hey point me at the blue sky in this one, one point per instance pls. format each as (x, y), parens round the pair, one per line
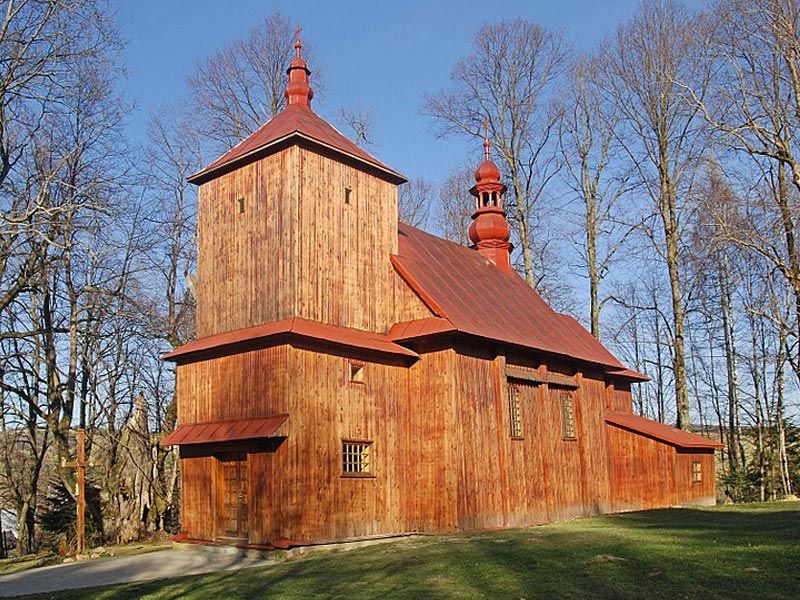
(378, 55)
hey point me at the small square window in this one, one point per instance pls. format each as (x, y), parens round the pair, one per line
(567, 416)
(356, 458)
(356, 373)
(514, 411)
(697, 472)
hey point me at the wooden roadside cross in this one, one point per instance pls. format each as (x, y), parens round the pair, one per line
(80, 464)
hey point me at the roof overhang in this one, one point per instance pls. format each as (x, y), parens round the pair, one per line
(225, 431)
(661, 432)
(629, 374)
(303, 140)
(248, 338)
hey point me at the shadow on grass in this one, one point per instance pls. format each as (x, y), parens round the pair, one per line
(680, 553)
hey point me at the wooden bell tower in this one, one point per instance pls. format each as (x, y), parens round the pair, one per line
(296, 221)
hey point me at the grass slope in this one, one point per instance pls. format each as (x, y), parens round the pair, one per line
(728, 552)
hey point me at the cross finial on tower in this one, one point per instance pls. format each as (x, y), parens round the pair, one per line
(297, 43)
(486, 142)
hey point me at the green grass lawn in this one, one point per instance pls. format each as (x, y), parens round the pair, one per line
(750, 551)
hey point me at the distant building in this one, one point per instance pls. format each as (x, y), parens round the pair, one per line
(354, 376)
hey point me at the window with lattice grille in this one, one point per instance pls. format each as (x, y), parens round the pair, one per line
(356, 458)
(514, 411)
(567, 416)
(697, 472)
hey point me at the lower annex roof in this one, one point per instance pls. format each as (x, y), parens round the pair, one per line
(225, 431)
(293, 327)
(660, 431)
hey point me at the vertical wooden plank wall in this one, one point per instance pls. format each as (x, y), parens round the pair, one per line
(297, 249)
(695, 493)
(443, 455)
(641, 470)
(297, 491)
(541, 477)
(198, 497)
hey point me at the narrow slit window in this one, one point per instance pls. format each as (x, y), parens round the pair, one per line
(356, 458)
(240, 205)
(347, 193)
(697, 472)
(514, 411)
(567, 416)
(356, 373)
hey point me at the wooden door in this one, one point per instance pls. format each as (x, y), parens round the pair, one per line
(234, 494)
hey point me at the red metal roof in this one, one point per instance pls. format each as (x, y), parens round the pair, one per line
(630, 374)
(302, 328)
(462, 286)
(224, 431)
(295, 121)
(418, 328)
(660, 431)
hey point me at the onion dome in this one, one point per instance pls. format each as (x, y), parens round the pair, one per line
(490, 231)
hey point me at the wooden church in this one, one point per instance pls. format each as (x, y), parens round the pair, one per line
(354, 376)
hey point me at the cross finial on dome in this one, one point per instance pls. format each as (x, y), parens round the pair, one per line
(298, 44)
(486, 143)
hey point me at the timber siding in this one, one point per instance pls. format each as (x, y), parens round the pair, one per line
(297, 249)
(443, 457)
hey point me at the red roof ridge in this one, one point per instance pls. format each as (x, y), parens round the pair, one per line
(295, 326)
(660, 431)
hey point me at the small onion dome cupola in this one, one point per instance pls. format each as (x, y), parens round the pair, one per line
(298, 90)
(490, 230)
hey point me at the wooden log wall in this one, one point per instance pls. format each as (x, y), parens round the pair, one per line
(536, 477)
(297, 491)
(442, 452)
(296, 245)
(646, 473)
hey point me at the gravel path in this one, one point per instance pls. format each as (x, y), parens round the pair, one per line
(125, 569)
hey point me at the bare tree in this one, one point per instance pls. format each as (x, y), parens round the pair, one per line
(42, 44)
(241, 86)
(756, 106)
(662, 134)
(59, 130)
(451, 217)
(359, 123)
(508, 80)
(173, 154)
(414, 202)
(587, 141)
